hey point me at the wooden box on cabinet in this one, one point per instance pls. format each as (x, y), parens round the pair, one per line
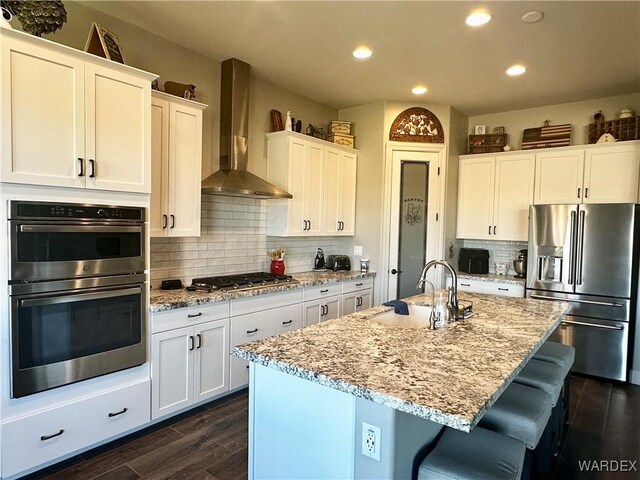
(176, 164)
(491, 143)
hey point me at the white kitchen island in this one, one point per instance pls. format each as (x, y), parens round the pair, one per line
(311, 390)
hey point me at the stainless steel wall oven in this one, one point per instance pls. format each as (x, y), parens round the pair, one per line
(78, 293)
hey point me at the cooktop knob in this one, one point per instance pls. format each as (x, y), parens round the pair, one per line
(101, 212)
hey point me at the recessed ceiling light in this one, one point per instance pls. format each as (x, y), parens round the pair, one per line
(362, 53)
(532, 17)
(419, 90)
(477, 19)
(516, 70)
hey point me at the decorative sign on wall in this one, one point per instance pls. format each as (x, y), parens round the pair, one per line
(417, 124)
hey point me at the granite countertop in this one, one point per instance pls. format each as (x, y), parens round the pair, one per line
(492, 277)
(162, 300)
(450, 376)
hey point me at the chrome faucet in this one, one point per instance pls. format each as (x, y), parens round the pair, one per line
(433, 316)
(452, 301)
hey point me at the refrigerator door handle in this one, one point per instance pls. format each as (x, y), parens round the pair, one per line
(594, 325)
(587, 302)
(580, 249)
(572, 257)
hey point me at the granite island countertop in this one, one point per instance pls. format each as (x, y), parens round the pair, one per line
(450, 376)
(162, 300)
(492, 277)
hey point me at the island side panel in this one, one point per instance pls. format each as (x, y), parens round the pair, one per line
(298, 429)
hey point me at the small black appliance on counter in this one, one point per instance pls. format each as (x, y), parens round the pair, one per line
(338, 262)
(473, 260)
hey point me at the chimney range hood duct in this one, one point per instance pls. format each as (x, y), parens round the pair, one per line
(233, 179)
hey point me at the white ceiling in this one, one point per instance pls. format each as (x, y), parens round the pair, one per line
(579, 50)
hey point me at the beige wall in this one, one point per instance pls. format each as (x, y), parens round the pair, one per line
(578, 114)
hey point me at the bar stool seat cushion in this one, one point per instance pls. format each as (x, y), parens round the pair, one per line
(558, 353)
(521, 412)
(546, 376)
(480, 454)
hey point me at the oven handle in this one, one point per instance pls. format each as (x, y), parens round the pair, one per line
(80, 228)
(37, 302)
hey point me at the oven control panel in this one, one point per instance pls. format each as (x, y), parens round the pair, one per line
(45, 210)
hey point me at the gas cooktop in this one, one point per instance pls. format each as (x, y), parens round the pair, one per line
(242, 281)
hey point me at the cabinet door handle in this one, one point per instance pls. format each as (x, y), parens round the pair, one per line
(489, 232)
(92, 162)
(193, 315)
(324, 291)
(503, 289)
(115, 414)
(199, 340)
(358, 301)
(164, 221)
(173, 220)
(586, 192)
(494, 229)
(309, 224)
(191, 342)
(249, 332)
(287, 323)
(578, 192)
(81, 160)
(44, 438)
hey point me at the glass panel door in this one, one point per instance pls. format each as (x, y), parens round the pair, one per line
(412, 225)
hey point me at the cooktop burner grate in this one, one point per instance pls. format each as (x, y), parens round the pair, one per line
(242, 281)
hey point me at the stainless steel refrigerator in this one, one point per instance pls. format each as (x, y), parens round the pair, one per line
(588, 254)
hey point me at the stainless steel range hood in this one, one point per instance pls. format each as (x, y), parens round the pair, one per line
(233, 179)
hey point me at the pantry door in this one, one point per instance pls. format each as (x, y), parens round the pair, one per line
(415, 216)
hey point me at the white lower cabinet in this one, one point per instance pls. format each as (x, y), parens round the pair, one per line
(190, 363)
(322, 310)
(491, 288)
(262, 321)
(40, 438)
(357, 295)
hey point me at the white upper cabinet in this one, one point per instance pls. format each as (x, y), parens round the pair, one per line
(592, 174)
(176, 158)
(611, 174)
(322, 180)
(559, 176)
(494, 194)
(71, 119)
(339, 192)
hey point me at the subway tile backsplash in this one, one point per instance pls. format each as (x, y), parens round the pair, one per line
(499, 252)
(233, 240)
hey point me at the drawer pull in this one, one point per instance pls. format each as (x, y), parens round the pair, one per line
(199, 314)
(503, 289)
(252, 331)
(358, 284)
(112, 414)
(465, 284)
(44, 438)
(324, 291)
(287, 323)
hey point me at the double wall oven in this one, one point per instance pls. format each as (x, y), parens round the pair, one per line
(77, 292)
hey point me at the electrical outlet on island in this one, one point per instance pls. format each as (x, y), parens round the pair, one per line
(371, 438)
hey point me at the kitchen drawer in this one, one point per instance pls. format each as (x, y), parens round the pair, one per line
(259, 325)
(185, 317)
(355, 285)
(491, 288)
(322, 291)
(242, 306)
(239, 376)
(82, 423)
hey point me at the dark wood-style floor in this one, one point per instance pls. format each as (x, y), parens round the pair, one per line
(211, 442)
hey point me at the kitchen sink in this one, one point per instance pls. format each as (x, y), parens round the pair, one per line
(418, 317)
